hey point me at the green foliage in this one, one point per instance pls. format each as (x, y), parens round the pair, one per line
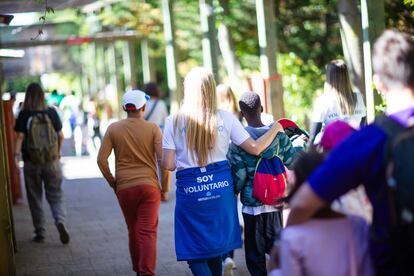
(245, 38)
(400, 15)
(20, 84)
(188, 34)
(307, 36)
(409, 2)
(302, 82)
(310, 29)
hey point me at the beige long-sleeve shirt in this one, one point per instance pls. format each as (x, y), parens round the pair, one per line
(134, 142)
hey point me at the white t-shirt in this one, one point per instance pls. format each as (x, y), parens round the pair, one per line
(159, 114)
(228, 128)
(327, 110)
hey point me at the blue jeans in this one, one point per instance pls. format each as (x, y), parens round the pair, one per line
(206, 267)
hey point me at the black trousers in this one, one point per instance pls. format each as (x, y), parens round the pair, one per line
(260, 233)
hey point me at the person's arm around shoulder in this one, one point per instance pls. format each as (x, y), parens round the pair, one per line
(238, 167)
(102, 159)
(255, 147)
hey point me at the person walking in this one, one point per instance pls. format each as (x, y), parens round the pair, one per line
(367, 156)
(195, 142)
(330, 243)
(39, 140)
(157, 113)
(226, 100)
(262, 222)
(338, 101)
(137, 146)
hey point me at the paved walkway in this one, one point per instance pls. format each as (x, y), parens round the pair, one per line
(99, 244)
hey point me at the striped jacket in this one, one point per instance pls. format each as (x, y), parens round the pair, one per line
(243, 165)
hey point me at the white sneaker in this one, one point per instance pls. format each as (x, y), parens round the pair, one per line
(228, 267)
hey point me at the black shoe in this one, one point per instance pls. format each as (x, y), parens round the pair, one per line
(38, 238)
(63, 234)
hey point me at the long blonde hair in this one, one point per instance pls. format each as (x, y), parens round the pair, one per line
(230, 102)
(199, 113)
(337, 81)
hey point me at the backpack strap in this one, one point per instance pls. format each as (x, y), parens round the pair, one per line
(152, 110)
(395, 132)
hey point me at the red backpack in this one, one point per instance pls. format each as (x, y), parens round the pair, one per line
(270, 180)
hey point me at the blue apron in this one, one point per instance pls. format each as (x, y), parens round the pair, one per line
(206, 220)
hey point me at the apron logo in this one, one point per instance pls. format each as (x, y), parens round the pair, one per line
(206, 187)
(205, 178)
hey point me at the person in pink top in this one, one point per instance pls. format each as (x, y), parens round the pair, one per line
(328, 244)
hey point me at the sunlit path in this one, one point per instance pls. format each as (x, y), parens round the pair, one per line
(99, 244)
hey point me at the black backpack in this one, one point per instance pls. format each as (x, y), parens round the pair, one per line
(399, 171)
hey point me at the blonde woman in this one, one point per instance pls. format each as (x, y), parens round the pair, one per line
(338, 102)
(195, 142)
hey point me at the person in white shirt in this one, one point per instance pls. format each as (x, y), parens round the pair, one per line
(338, 102)
(156, 112)
(196, 141)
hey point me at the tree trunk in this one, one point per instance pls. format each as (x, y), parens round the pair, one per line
(373, 24)
(268, 48)
(209, 40)
(173, 78)
(351, 36)
(226, 46)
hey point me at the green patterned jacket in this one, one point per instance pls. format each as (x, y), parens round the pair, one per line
(243, 165)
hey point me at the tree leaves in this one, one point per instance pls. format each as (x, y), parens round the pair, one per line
(48, 10)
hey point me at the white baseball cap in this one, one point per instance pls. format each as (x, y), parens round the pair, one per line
(136, 98)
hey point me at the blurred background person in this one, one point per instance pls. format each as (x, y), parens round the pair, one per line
(156, 112)
(338, 101)
(227, 101)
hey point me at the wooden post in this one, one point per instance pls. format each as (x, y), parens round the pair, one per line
(373, 24)
(113, 69)
(85, 83)
(209, 41)
(147, 70)
(91, 69)
(174, 84)
(128, 57)
(351, 36)
(268, 49)
(7, 261)
(369, 93)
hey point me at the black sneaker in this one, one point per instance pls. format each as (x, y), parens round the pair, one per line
(39, 238)
(63, 234)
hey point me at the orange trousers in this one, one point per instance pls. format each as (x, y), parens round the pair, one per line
(140, 205)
